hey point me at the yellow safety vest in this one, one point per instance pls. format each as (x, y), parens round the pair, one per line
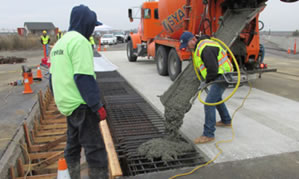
(91, 40)
(224, 62)
(59, 35)
(45, 39)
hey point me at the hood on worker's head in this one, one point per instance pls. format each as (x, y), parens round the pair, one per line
(83, 20)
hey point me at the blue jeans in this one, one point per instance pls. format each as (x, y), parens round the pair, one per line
(47, 49)
(215, 95)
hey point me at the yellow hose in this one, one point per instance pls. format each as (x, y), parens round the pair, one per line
(237, 85)
(219, 142)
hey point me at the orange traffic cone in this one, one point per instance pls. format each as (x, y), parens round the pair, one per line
(27, 88)
(289, 50)
(63, 172)
(30, 77)
(39, 74)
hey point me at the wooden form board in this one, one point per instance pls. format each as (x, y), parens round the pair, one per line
(114, 166)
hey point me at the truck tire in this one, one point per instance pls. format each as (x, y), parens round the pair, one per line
(162, 61)
(174, 64)
(130, 52)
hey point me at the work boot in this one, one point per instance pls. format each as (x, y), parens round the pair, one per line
(74, 170)
(203, 139)
(98, 173)
(221, 124)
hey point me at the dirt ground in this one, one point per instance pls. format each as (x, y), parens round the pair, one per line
(12, 72)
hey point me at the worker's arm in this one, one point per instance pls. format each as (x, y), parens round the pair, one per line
(89, 91)
(82, 61)
(209, 57)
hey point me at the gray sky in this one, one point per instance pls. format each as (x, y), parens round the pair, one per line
(13, 13)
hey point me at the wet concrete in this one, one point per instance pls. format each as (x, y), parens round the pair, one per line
(163, 148)
(176, 100)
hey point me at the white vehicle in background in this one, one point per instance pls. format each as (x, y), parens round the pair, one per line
(108, 39)
(120, 36)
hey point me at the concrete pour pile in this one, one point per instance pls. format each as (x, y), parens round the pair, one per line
(164, 148)
(176, 101)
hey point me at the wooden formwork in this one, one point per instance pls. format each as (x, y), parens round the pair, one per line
(45, 143)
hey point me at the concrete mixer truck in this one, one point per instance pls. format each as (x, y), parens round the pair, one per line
(162, 23)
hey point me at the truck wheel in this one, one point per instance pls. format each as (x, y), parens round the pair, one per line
(130, 53)
(161, 61)
(174, 64)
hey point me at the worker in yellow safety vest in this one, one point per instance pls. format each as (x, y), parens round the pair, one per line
(211, 62)
(91, 40)
(59, 35)
(45, 40)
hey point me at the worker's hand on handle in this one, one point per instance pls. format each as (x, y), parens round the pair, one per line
(102, 113)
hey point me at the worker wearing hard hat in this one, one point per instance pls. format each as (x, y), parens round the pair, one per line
(45, 40)
(211, 61)
(77, 95)
(59, 35)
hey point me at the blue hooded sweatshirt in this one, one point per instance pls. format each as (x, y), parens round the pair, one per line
(83, 20)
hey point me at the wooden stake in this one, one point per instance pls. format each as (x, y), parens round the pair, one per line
(12, 173)
(20, 167)
(27, 137)
(41, 105)
(113, 162)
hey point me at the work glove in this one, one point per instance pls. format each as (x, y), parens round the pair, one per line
(102, 113)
